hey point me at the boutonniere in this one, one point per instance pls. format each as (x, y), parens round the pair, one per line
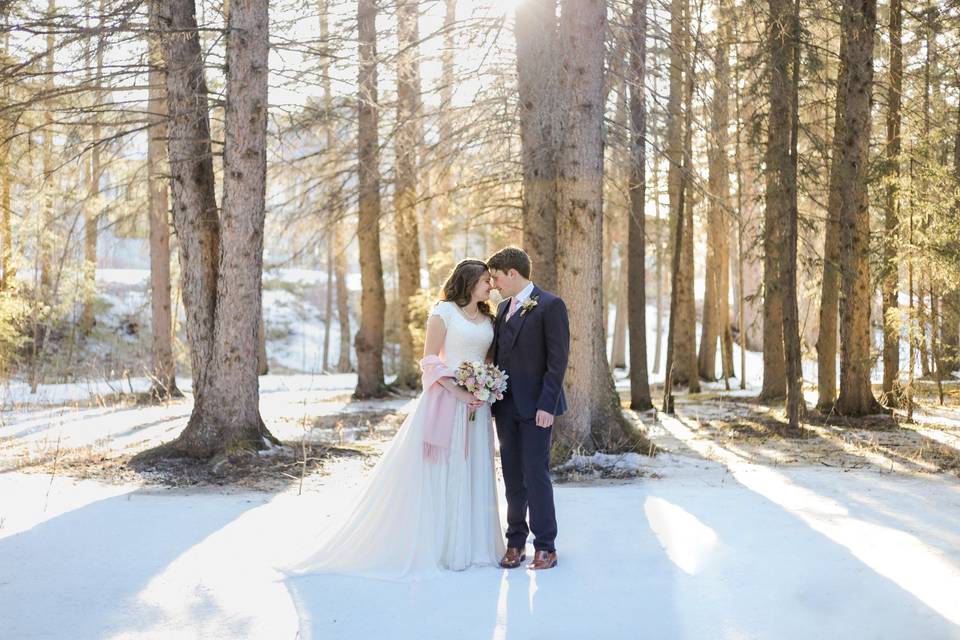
(528, 305)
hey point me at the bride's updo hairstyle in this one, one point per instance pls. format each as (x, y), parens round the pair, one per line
(462, 280)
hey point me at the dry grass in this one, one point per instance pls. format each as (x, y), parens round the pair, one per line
(758, 431)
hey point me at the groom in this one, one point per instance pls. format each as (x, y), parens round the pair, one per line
(531, 343)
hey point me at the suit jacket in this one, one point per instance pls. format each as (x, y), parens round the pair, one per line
(533, 352)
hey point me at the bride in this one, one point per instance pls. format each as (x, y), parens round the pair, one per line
(431, 502)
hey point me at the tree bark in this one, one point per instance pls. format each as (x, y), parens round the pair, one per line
(328, 307)
(369, 338)
(233, 411)
(537, 81)
(890, 271)
(796, 406)
(660, 257)
(677, 233)
(856, 397)
(929, 62)
(343, 301)
(790, 41)
(618, 354)
(951, 302)
(406, 143)
(47, 233)
(439, 259)
(678, 149)
(778, 200)
(7, 263)
(594, 420)
(741, 215)
(716, 305)
(338, 249)
(194, 208)
(830, 284)
(92, 212)
(163, 375)
(221, 262)
(229, 416)
(774, 217)
(636, 233)
(263, 361)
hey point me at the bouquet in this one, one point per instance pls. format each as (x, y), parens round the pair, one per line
(486, 382)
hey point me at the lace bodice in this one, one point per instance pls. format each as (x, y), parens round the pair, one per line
(466, 341)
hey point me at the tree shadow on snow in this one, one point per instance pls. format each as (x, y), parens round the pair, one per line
(87, 573)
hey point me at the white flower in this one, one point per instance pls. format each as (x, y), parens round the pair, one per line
(483, 395)
(528, 305)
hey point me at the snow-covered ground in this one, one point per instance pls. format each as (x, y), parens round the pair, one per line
(712, 541)
(289, 403)
(707, 544)
(708, 550)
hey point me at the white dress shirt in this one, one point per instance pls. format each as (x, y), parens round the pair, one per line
(521, 297)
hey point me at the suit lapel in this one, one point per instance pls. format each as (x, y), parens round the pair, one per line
(502, 311)
(523, 316)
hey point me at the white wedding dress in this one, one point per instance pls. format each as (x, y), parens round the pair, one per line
(416, 518)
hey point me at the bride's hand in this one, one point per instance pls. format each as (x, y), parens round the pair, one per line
(466, 397)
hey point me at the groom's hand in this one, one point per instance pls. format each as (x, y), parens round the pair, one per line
(544, 419)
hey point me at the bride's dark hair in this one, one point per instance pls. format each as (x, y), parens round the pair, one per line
(462, 280)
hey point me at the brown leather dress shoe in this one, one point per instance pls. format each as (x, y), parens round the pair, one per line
(543, 560)
(512, 558)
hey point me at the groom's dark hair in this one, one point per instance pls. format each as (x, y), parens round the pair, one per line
(511, 258)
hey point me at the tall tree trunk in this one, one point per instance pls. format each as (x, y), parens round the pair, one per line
(741, 212)
(856, 397)
(912, 347)
(776, 206)
(194, 208)
(618, 354)
(934, 339)
(676, 232)
(328, 307)
(7, 266)
(369, 339)
(679, 142)
(929, 62)
(679, 355)
(192, 184)
(406, 144)
(791, 313)
(890, 271)
(338, 247)
(660, 255)
(343, 301)
(263, 361)
(830, 284)
(537, 80)
(922, 322)
(781, 197)
(636, 230)
(92, 210)
(439, 259)
(951, 302)
(723, 142)
(47, 232)
(716, 306)
(233, 397)
(778, 199)
(163, 375)
(594, 419)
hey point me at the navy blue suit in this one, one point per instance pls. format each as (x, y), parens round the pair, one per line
(532, 348)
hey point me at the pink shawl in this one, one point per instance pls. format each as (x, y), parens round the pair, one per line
(439, 407)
